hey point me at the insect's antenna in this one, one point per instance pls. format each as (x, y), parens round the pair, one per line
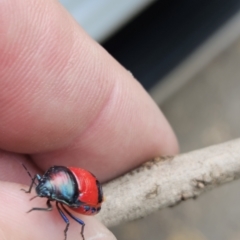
(29, 174)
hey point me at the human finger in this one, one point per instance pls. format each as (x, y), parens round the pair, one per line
(65, 100)
(15, 222)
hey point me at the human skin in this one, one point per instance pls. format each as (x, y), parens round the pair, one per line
(65, 101)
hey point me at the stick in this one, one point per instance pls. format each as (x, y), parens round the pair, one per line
(167, 181)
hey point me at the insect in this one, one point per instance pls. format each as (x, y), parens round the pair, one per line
(76, 188)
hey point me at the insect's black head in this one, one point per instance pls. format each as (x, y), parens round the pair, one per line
(44, 188)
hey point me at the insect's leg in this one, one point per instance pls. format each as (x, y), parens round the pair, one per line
(77, 220)
(49, 207)
(33, 182)
(65, 220)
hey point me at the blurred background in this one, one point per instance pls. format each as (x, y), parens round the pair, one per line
(187, 56)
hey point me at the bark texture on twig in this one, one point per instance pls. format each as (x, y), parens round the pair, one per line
(167, 181)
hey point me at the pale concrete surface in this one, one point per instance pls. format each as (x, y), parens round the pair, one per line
(205, 111)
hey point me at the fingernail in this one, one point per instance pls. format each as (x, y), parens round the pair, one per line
(95, 230)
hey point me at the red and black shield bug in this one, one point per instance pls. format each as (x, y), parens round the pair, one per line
(68, 186)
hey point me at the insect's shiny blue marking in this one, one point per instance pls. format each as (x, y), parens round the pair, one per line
(58, 185)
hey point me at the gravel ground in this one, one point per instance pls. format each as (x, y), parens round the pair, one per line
(205, 111)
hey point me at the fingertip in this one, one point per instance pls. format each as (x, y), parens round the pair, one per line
(66, 101)
(15, 223)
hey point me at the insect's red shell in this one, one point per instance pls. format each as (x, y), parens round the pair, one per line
(90, 192)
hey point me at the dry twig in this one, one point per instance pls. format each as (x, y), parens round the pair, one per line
(167, 181)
